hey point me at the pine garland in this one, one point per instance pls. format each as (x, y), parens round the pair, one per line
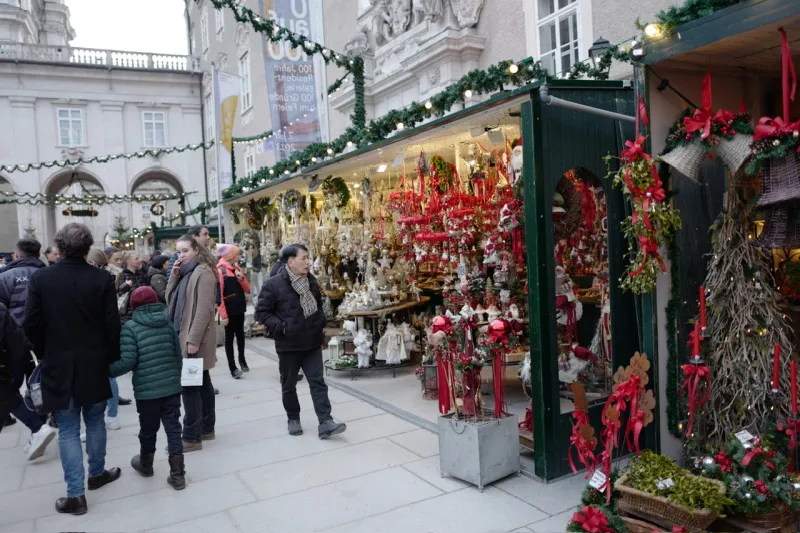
(152, 152)
(26, 198)
(774, 147)
(335, 191)
(690, 11)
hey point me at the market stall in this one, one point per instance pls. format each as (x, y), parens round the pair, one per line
(438, 248)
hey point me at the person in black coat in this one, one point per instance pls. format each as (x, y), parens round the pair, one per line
(71, 319)
(12, 355)
(290, 307)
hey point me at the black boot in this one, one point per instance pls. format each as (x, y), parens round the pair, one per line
(177, 472)
(108, 476)
(143, 464)
(243, 364)
(76, 506)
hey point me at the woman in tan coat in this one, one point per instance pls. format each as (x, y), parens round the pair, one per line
(192, 295)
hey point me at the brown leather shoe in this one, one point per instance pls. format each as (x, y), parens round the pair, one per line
(104, 479)
(76, 506)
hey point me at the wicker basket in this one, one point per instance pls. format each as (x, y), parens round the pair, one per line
(781, 230)
(663, 508)
(686, 159)
(781, 181)
(768, 521)
(639, 526)
(735, 152)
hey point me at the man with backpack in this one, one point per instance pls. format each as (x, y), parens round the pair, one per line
(13, 295)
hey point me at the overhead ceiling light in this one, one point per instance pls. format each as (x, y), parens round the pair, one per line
(382, 167)
(356, 185)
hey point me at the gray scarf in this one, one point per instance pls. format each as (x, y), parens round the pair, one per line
(302, 287)
(178, 301)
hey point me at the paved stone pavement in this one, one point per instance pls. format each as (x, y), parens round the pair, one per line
(381, 475)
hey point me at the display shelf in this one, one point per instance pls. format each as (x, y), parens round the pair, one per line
(355, 371)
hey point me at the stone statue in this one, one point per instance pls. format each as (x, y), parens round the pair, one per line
(359, 44)
(467, 12)
(429, 10)
(401, 16)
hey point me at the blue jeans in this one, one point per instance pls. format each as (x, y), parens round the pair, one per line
(69, 445)
(113, 403)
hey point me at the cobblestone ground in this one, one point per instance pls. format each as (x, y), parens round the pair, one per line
(380, 476)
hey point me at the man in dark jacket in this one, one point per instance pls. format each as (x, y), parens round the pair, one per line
(71, 318)
(290, 307)
(12, 354)
(13, 294)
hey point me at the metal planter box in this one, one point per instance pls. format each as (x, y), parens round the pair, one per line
(478, 452)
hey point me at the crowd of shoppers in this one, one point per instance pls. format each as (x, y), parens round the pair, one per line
(93, 315)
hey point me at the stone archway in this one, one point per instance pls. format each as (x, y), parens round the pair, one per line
(9, 220)
(76, 183)
(154, 181)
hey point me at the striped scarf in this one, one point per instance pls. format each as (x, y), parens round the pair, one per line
(301, 286)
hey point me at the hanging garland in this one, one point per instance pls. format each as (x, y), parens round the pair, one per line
(92, 199)
(152, 152)
(201, 208)
(277, 33)
(690, 11)
(654, 221)
(335, 191)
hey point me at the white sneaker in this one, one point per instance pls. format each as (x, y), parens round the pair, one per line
(39, 442)
(112, 422)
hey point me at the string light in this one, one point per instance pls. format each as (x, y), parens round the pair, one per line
(428, 105)
(400, 126)
(513, 68)
(468, 94)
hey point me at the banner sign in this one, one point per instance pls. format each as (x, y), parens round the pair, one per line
(294, 79)
(226, 105)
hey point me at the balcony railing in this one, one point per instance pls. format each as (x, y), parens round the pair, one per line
(100, 58)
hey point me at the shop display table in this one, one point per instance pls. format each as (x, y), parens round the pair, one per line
(375, 367)
(376, 314)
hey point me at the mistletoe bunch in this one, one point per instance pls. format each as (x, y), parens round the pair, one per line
(654, 221)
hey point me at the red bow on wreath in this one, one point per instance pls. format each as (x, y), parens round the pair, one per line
(755, 452)
(592, 520)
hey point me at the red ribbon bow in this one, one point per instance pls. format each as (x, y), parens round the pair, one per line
(634, 150)
(649, 246)
(583, 447)
(774, 127)
(701, 118)
(694, 374)
(592, 520)
(755, 452)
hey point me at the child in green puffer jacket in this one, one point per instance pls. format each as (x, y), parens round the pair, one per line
(151, 349)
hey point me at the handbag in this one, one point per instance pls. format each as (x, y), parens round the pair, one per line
(33, 399)
(122, 302)
(192, 372)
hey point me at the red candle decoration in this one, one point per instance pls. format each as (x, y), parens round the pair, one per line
(702, 307)
(794, 388)
(776, 367)
(696, 339)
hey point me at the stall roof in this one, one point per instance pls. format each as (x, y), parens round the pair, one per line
(436, 136)
(742, 37)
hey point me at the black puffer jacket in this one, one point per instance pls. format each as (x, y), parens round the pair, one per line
(14, 285)
(280, 311)
(137, 279)
(12, 353)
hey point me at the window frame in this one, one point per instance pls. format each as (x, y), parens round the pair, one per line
(249, 161)
(205, 41)
(163, 121)
(246, 87)
(555, 18)
(70, 119)
(219, 20)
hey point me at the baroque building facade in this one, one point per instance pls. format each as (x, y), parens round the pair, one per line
(65, 102)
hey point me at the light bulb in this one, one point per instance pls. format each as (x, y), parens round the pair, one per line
(330, 151)
(468, 94)
(513, 68)
(428, 104)
(400, 126)
(652, 30)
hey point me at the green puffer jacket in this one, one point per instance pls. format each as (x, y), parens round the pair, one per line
(150, 348)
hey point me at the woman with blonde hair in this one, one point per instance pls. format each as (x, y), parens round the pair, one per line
(192, 296)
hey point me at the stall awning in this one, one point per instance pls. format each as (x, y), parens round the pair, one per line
(741, 37)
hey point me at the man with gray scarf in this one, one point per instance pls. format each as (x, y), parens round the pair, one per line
(290, 307)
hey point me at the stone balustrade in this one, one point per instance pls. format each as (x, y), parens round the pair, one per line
(94, 57)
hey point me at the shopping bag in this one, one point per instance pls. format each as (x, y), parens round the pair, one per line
(192, 372)
(33, 399)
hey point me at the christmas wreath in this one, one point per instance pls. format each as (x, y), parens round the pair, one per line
(291, 200)
(157, 209)
(596, 520)
(335, 191)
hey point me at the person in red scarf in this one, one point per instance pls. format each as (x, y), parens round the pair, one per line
(234, 287)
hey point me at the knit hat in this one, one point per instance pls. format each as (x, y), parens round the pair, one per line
(229, 252)
(111, 250)
(143, 296)
(158, 261)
